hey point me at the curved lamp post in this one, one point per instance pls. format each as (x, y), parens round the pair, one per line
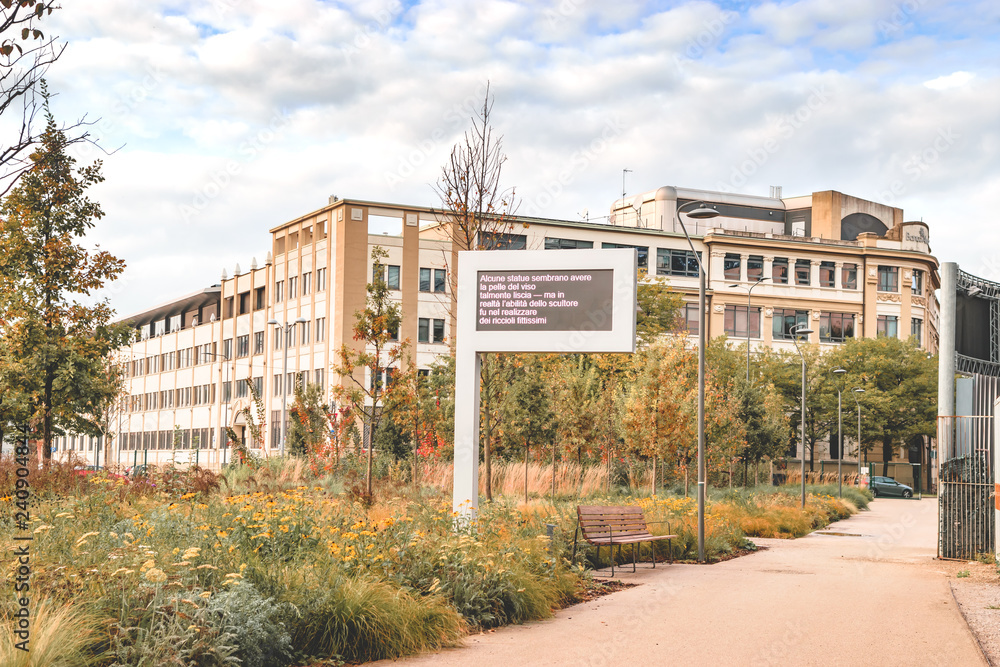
(749, 291)
(855, 392)
(840, 437)
(284, 330)
(796, 331)
(699, 211)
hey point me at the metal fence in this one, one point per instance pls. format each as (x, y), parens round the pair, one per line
(965, 487)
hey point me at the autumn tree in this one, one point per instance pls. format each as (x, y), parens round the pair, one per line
(658, 309)
(363, 372)
(478, 211)
(57, 344)
(308, 430)
(528, 411)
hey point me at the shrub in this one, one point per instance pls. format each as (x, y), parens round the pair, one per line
(254, 622)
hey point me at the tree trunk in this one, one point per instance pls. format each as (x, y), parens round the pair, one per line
(685, 481)
(416, 445)
(488, 440)
(47, 420)
(886, 456)
(652, 483)
(371, 448)
(553, 471)
(526, 472)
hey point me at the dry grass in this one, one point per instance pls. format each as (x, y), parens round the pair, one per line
(61, 636)
(508, 479)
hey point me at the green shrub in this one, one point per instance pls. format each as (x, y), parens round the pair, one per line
(254, 622)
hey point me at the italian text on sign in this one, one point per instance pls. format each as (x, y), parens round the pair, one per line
(560, 300)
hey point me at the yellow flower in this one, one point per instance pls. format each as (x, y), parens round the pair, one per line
(147, 565)
(222, 534)
(206, 594)
(156, 575)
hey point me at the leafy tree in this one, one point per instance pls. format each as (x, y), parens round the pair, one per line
(374, 328)
(900, 383)
(658, 308)
(528, 412)
(765, 426)
(308, 430)
(57, 345)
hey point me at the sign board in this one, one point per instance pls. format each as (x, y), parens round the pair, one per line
(567, 301)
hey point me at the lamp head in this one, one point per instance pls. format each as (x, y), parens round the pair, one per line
(839, 371)
(802, 329)
(273, 322)
(301, 320)
(702, 212)
(858, 390)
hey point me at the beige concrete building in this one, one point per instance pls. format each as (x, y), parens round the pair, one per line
(846, 266)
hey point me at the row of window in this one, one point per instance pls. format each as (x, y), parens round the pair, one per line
(172, 398)
(77, 443)
(179, 438)
(298, 378)
(739, 321)
(293, 285)
(671, 262)
(431, 280)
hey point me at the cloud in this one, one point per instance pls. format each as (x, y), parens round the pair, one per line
(953, 80)
(249, 113)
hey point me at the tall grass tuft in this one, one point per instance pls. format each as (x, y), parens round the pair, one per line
(62, 635)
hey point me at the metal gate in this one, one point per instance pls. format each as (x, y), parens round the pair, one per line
(965, 487)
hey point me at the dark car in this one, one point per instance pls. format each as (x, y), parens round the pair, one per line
(887, 486)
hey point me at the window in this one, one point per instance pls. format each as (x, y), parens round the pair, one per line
(242, 391)
(849, 276)
(227, 391)
(276, 384)
(305, 332)
(755, 267)
(836, 327)
(779, 271)
(425, 280)
(258, 385)
(438, 331)
(290, 336)
(440, 276)
(243, 345)
(736, 322)
(293, 286)
(423, 330)
(917, 328)
(802, 268)
(785, 319)
(670, 262)
(566, 244)
(497, 241)
(917, 288)
(259, 299)
(888, 279)
(320, 280)
(320, 329)
(244, 303)
(319, 378)
(258, 342)
(888, 325)
(643, 252)
(279, 291)
(691, 319)
(827, 274)
(227, 308)
(306, 282)
(394, 334)
(731, 266)
(277, 339)
(392, 276)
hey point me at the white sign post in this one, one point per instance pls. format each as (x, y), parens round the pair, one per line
(567, 301)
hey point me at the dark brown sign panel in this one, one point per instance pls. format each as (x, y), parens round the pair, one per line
(545, 300)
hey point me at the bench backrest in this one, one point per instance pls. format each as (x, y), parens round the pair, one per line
(602, 522)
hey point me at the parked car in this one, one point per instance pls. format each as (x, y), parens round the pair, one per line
(887, 486)
(83, 471)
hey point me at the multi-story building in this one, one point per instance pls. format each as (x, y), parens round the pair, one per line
(845, 266)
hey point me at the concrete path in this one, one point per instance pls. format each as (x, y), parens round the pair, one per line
(870, 595)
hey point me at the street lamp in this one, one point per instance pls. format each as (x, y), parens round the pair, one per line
(699, 212)
(796, 331)
(749, 290)
(284, 330)
(855, 392)
(840, 437)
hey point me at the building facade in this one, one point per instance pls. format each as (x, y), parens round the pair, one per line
(845, 266)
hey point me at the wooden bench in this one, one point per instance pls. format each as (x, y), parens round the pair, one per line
(610, 526)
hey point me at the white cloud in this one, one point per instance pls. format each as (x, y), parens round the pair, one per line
(365, 99)
(953, 80)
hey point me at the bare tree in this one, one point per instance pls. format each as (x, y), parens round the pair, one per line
(479, 213)
(25, 56)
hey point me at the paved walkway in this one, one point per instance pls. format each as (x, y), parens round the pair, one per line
(870, 595)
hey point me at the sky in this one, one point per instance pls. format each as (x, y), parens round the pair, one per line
(220, 119)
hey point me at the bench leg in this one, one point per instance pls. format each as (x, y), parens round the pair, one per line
(576, 533)
(635, 547)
